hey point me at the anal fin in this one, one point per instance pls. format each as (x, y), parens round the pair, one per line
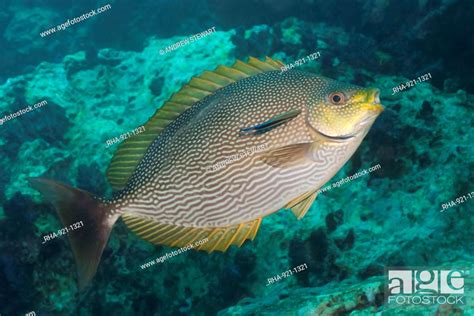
(219, 238)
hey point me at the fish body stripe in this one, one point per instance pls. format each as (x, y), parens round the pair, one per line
(176, 184)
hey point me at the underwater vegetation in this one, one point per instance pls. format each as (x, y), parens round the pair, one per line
(105, 77)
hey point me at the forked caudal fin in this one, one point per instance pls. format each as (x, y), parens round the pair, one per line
(74, 205)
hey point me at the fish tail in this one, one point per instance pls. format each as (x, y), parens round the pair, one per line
(74, 206)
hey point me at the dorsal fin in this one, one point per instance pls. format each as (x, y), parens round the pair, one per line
(131, 151)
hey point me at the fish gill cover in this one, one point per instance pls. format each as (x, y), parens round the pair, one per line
(237, 158)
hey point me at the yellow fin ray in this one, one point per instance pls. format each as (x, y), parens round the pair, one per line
(218, 238)
(301, 204)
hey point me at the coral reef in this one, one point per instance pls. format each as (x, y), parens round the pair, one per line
(364, 298)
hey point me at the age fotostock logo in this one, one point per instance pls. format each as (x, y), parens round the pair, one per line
(425, 286)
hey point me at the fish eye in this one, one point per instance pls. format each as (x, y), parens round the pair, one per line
(337, 98)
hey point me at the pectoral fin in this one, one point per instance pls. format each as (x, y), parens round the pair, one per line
(271, 123)
(287, 156)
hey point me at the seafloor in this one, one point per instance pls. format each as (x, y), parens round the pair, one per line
(389, 218)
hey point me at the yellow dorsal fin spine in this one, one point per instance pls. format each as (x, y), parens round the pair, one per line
(246, 68)
(215, 77)
(182, 99)
(195, 92)
(231, 73)
(204, 84)
(131, 151)
(263, 66)
(275, 62)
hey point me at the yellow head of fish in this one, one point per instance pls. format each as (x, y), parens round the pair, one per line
(342, 111)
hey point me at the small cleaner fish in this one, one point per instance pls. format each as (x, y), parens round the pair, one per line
(169, 193)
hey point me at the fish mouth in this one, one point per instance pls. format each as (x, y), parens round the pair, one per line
(374, 95)
(372, 102)
(336, 138)
(363, 127)
(372, 105)
(341, 138)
